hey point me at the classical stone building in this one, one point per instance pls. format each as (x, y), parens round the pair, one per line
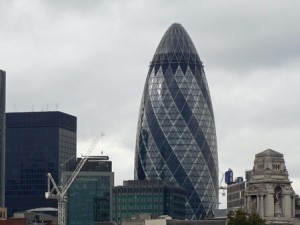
(269, 192)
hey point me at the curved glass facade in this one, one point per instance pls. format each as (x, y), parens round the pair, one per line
(176, 137)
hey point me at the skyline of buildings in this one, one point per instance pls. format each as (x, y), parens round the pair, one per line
(176, 136)
(188, 69)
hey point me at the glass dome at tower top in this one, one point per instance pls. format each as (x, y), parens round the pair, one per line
(176, 40)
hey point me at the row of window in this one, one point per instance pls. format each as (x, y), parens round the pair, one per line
(139, 207)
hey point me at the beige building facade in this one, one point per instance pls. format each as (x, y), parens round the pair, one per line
(269, 191)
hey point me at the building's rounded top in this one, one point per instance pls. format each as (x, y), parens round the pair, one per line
(176, 40)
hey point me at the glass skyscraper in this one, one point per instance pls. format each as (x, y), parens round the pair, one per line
(37, 143)
(176, 136)
(2, 136)
(90, 195)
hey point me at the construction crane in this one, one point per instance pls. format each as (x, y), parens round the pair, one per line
(60, 192)
(220, 185)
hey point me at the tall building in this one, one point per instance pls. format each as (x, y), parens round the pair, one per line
(90, 195)
(2, 136)
(37, 143)
(151, 197)
(176, 137)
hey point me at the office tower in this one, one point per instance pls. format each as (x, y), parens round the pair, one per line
(176, 137)
(155, 198)
(37, 143)
(235, 195)
(2, 136)
(90, 195)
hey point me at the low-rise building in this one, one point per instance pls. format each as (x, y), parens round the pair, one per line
(168, 221)
(152, 197)
(38, 216)
(235, 195)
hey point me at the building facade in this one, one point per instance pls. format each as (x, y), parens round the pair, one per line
(37, 143)
(235, 195)
(236, 190)
(2, 136)
(90, 195)
(151, 197)
(269, 192)
(170, 221)
(176, 136)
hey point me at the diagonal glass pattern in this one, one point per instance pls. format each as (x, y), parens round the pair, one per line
(176, 137)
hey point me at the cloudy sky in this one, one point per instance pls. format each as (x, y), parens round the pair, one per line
(90, 59)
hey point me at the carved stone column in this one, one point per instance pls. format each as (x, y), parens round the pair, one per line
(270, 205)
(257, 204)
(261, 211)
(284, 206)
(288, 205)
(293, 206)
(247, 202)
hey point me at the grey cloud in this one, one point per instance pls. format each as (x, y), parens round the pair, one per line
(92, 60)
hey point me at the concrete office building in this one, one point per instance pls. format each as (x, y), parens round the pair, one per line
(176, 137)
(2, 136)
(235, 196)
(148, 197)
(37, 143)
(90, 195)
(236, 190)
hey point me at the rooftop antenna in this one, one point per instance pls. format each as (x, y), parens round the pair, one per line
(47, 107)
(56, 106)
(102, 136)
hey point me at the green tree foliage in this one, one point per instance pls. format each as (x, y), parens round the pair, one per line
(241, 217)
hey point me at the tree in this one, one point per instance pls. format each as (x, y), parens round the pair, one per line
(241, 217)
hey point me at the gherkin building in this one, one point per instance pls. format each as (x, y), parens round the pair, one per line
(176, 135)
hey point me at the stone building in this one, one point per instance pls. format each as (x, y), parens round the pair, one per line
(269, 192)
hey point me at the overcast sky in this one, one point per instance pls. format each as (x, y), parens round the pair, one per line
(90, 58)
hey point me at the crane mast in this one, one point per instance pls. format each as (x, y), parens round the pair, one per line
(220, 185)
(59, 192)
